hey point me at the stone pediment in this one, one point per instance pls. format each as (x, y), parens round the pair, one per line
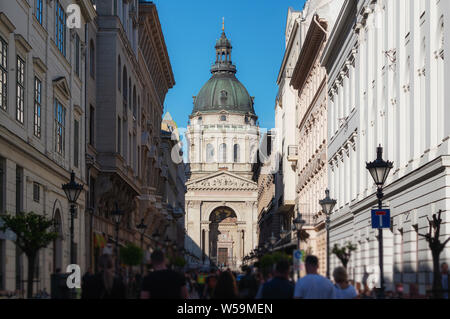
(222, 181)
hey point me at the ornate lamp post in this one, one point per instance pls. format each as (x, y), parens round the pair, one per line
(272, 240)
(117, 217)
(156, 236)
(379, 169)
(72, 190)
(327, 207)
(298, 225)
(142, 228)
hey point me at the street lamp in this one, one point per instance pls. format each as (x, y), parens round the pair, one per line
(117, 217)
(379, 169)
(142, 228)
(72, 190)
(273, 241)
(298, 225)
(327, 207)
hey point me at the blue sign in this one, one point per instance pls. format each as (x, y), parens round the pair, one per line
(381, 218)
(297, 255)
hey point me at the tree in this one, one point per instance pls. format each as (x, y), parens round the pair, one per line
(344, 253)
(32, 234)
(131, 255)
(436, 248)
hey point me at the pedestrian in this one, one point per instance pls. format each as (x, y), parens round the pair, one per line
(226, 287)
(313, 285)
(342, 287)
(445, 278)
(163, 283)
(210, 285)
(248, 285)
(280, 287)
(105, 284)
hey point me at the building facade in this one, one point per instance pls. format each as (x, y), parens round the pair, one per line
(387, 80)
(43, 83)
(132, 77)
(223, 138)
(309, 80)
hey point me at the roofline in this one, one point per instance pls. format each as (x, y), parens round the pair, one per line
(337, 30)
(147, 9)
(313, 41)
(288, 50)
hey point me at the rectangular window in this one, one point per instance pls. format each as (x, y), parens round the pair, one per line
(37, 106)
(3, 74)
(92, 192)
(60, 28)
(91, 125)
(76, 143)
(77, 55)
(20, 89)
(60, 126)
(39, 10)
(119, 136)
(36, 192)
(2, 185)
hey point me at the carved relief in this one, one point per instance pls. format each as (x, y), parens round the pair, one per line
(223, 182)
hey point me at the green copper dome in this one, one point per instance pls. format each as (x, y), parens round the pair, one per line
(223, 91)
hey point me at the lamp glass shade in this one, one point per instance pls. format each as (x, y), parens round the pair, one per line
(72, 189)
(379, 169)
(273, 239)
(327, 203)
(299, 222)
(141, 227)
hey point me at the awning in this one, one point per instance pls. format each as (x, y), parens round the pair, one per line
(99, 241)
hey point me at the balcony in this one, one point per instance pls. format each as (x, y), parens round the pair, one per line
(292, 153)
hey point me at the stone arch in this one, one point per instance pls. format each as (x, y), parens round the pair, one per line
(58, 242)
(212, 208)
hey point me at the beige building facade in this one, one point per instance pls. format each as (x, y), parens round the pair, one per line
(42, 120)
(221, 198)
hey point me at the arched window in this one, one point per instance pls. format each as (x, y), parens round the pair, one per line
(119, 72)
(236, 151)
(124, 84)
(209, 153)
(92, 58)
(134, 102)
(223, 153)
(129, 90)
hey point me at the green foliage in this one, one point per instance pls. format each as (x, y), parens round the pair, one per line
(268, 261)
(33, 231)
(179, 261)
(344, 253)
(131, 255)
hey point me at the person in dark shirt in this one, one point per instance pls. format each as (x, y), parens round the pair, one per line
(163, 283)
(279, 287)
(104, 285)
(248, 285)
(226, 287)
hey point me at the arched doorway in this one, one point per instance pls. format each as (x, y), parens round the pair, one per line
(57, 243)
(223, 237)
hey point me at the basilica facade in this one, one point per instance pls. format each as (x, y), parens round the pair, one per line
(223, 138)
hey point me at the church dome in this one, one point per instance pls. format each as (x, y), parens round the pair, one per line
(223, 91)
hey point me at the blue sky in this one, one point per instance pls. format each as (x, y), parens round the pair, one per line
(256, 30)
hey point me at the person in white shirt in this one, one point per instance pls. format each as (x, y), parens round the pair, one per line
(313, 285)
(342, 288)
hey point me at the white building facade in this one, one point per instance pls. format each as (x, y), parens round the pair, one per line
(42, 120)
(387, 81)
(223, 138)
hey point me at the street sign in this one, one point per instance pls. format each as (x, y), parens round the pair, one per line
(381, 218)
(298, 254)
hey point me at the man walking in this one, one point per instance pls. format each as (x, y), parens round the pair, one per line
(163, 283)
(445, 279)
(313, 285)
(279, 287)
